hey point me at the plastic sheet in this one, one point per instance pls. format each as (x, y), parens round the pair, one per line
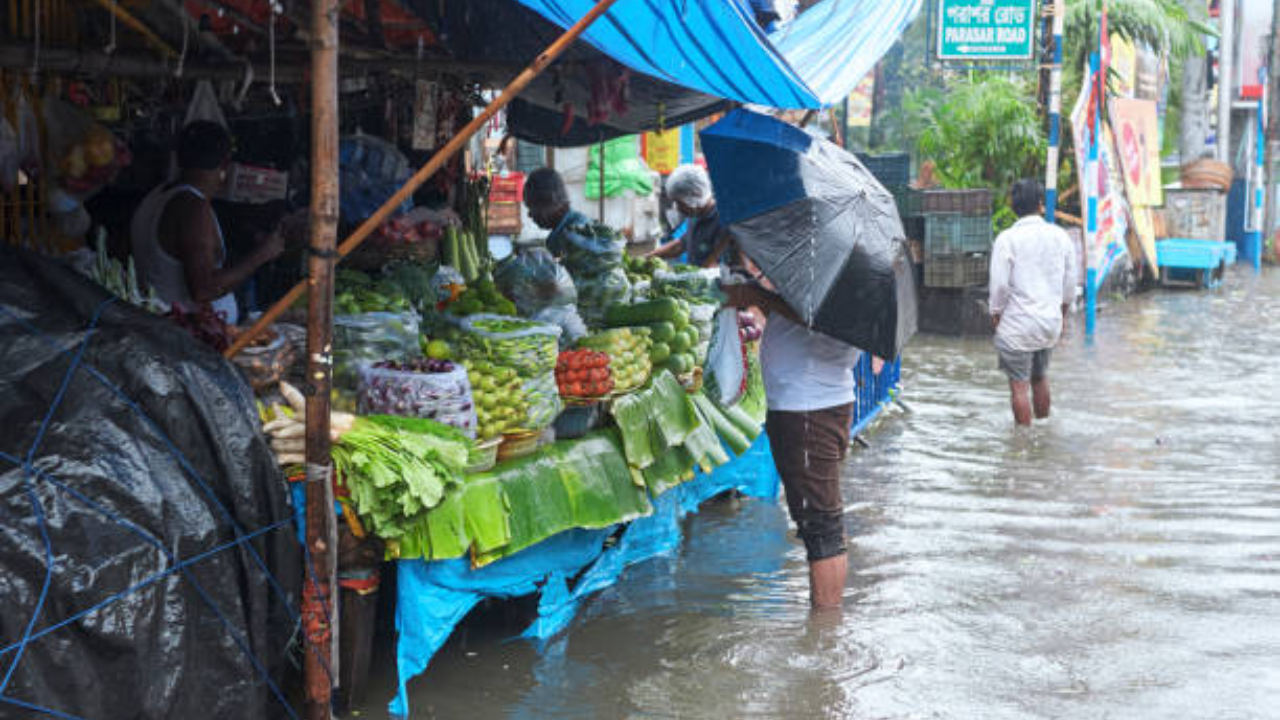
(825, 233)
(433, 597)
(153, 509)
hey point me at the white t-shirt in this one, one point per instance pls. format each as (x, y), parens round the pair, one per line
(1033, 275)
(803, 369)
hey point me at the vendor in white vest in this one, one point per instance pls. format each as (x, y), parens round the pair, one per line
(809, 387)
(178, 245)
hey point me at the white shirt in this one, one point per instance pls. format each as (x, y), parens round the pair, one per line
(156, 267)
(805, 370)
(1032, 276)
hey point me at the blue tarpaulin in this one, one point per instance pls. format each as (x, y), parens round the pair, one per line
(836, 43)
(716, 47)
(433, 597)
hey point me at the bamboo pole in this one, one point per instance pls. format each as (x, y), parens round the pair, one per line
(320, 585)
(437, 161)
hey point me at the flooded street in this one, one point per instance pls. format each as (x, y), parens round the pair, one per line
(1121, 560)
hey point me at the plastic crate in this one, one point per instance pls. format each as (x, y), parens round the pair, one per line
(507, 188)
(1195, 214)
(949, 233)
(965, 202)
(957, 270)
(913, 227)
(504, 218)
(888, 168)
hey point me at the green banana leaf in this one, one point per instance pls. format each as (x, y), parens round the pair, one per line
(446, 526)
(582, 483)
(671, 410)
(672, 468)
(488, 520)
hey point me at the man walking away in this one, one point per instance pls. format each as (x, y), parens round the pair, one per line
(1033, 282)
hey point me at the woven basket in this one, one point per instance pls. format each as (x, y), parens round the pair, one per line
(1207, 174)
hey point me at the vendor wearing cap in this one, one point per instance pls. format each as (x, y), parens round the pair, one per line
(706, 243)
(177, 242)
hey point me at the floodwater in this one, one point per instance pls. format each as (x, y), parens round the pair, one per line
(1121, 560)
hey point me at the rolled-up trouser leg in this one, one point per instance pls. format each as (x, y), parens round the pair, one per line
(808, 451)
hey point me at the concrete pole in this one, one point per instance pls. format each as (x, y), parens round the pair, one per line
(1272, 141)
(1226, 77)
(1055, 114)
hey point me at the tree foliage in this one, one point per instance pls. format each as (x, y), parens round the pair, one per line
(984, 133)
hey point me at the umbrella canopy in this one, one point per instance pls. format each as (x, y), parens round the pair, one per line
(823, 230)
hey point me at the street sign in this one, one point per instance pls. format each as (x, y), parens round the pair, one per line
(986, 29)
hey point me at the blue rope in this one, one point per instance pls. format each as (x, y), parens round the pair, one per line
(185, 464)
(66, 381)
(177, 455)
(37, 506)
(38, 708)
(29, 472)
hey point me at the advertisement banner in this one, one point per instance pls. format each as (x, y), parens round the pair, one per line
(662, 150)
(1124, 67)
(860, 102)
(1138, 134)
(1101, 183)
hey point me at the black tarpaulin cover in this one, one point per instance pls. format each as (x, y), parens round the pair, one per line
(151, 459)
(824, 232)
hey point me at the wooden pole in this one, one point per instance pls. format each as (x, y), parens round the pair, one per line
(437, 161)
(320, 584)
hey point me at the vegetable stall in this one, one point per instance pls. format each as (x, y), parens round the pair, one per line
(494, 424)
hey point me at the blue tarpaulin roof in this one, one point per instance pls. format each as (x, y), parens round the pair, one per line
(837, 42)
(716, 47)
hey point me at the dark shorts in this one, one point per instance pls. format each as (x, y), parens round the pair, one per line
(809, 449)
(1025, 365)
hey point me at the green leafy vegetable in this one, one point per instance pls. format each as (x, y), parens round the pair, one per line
(395, 474)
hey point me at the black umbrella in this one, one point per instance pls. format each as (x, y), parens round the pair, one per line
(823, 230)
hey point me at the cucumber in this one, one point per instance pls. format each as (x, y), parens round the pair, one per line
(645, 313)
(451, 257)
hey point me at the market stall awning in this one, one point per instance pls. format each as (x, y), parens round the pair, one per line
(716, 47)
(836, 43)
(713, 46)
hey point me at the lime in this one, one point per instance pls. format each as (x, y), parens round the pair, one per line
(439, 350)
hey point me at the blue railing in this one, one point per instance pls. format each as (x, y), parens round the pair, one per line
(875, 392)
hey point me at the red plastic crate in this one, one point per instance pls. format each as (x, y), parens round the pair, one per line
(507, 188)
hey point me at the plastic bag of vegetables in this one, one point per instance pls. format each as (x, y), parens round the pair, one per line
(588, 248)
(389, 388)
(533, 280)
(368, 338)
(726, 369)
(542, 397)
(530, 348)
(693, 285)
(572, 328)
(596, 293)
